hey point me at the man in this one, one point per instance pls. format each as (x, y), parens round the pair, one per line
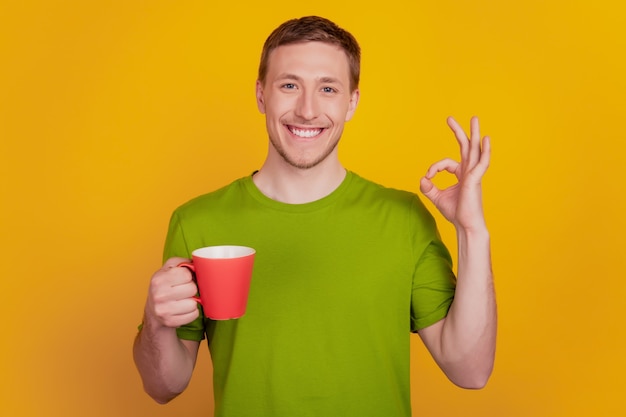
(345, 268)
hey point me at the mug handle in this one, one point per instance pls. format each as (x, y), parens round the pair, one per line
(191, 268)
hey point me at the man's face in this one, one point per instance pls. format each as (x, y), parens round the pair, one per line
(306, 100)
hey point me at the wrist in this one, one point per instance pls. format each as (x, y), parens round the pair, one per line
(475, 232)
(151, 323)
(472, 240)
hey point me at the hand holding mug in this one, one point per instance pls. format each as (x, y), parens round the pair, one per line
(170, 296)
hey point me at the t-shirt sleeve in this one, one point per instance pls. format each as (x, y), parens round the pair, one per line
(176, 245)
(434, 281)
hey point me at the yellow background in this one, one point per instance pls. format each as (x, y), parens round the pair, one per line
(112, 113)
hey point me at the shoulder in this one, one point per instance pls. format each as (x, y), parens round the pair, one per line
(401, 204)
(226, 195)
(365, 188)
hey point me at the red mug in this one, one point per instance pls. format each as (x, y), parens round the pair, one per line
(223, 275)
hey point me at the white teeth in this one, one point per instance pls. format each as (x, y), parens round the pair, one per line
(305, 133)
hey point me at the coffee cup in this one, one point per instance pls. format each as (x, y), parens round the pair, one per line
(223, 275)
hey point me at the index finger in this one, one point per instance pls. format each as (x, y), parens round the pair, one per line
(475, 152)
(460, 136)
(174, 261)
(170, 272)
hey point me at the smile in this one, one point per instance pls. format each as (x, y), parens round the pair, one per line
(304, 133)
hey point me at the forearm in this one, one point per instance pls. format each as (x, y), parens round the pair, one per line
(468, 336)
(164, 362)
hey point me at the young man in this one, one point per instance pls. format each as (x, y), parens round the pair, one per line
(345, 268)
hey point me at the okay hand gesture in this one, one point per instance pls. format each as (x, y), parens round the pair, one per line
(461, 203)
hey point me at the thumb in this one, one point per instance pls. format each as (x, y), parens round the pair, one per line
(428, 188)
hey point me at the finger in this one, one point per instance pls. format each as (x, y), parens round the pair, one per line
(163, 292)
(485, 157)
(178, 313)
(184, 306)
(474, 152)
(173, 262)
(183, 291)
(447, 164)
(460, 136)
(172, 276)
(182, 319)
(428, 189)
(175, 307)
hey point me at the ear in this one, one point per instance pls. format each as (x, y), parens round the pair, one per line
(354, 100)
(260, 100)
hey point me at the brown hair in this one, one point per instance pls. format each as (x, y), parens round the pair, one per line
(313, 29)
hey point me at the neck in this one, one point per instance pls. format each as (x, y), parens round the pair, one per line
(292, 185)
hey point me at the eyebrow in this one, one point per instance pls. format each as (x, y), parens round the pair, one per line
(325, 80)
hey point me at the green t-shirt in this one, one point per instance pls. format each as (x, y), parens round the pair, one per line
(338, 285)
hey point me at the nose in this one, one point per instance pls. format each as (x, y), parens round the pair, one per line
(307, 106)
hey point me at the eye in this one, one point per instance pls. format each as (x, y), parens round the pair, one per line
(289, 86)
(328, 90)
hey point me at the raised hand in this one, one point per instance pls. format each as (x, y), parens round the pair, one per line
(461, 203)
